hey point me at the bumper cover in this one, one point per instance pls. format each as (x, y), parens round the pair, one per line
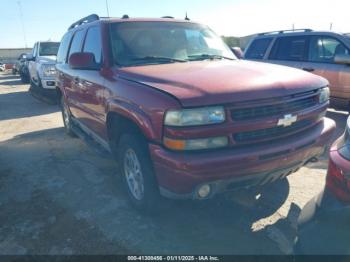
(180, 174)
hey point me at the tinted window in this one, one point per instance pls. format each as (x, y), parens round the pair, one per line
(77, 42)
(258, 48)
(289, 48)
(324, 49)
(93, 43)
(63, 50)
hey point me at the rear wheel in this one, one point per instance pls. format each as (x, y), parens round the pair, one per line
(67, 118)
(137, 172)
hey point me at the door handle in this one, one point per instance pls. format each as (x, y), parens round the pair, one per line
(308, 69)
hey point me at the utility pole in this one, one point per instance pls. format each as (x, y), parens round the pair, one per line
(107, 7)
(22, 23)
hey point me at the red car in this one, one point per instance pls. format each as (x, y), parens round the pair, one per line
(184, 118)
(324, 223)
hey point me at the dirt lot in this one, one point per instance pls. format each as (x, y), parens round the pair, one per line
(61, 196)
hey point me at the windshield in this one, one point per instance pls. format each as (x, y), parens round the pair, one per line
(48, 49)
(139, 43)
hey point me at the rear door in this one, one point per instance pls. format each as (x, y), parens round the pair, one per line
(322, 51)
(289, 51)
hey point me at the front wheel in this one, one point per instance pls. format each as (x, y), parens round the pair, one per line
(137, 172)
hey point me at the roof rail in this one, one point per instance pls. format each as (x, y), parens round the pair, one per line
(286, 31)
(168, 16)
(85, 20)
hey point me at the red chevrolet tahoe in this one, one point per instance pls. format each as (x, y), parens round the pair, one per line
(184, 118)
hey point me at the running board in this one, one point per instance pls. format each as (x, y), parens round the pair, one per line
(91, 139)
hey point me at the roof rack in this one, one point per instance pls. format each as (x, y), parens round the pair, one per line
(168, 16)
(85, 20)
(286, 31)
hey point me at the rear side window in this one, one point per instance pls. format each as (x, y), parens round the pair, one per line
(77, 42)
(324, 49)
(258, 48)
(289, 48)
(93, 43)
(63, 50)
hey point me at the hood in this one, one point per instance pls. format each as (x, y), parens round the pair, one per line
(223, 82)
(47, 59)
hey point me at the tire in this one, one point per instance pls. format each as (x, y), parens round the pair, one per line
(24, 78)
(142, 187)
(67, 118)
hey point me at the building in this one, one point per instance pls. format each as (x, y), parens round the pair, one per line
(10, 55)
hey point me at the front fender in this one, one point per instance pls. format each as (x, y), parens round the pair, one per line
(135, 114)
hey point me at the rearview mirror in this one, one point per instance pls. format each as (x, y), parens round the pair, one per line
(237, 51)
(342, 59)
(83, 61)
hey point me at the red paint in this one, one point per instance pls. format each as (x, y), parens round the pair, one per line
(144, 93)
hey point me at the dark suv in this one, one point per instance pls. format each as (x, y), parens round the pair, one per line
(326, 54)
(184, 118)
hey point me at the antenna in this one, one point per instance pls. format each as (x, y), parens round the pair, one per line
(331, 27)
(22, 23)
(107, 7)
(186, 18)
(293, 27)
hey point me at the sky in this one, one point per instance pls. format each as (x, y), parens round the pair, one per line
(49, 19)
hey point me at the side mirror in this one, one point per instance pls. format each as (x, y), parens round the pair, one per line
(237, 51)
(30, 58)
(83, 61)
(342, 59)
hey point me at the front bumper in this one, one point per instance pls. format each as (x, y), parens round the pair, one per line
(180, 174)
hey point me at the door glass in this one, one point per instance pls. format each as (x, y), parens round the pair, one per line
(93, 43)
(77, 42)
(289, 48)
(258, 48)
(63, 50)
(324, 49)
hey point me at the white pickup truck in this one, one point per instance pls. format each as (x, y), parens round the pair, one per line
(41, 66)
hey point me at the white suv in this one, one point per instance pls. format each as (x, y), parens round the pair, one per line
(41, 66)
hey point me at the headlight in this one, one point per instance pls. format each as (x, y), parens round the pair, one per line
(195, 117)
(49, 70)
(324, 95)
(196, 144)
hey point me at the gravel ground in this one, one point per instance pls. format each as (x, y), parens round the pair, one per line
(61, 196)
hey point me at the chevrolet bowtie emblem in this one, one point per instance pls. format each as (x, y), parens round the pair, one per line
(287, 120)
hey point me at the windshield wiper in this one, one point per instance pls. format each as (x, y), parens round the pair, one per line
(208, 56)
(159, 58)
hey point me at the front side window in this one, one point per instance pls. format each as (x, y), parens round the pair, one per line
(48, 48)
(93, 43)
(77, 42)
(325, 49)
(139, 43)
(63, 49)
(290, 48)
(258, 48)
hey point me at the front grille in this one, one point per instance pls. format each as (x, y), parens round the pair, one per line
(272, 110)
(270, 133)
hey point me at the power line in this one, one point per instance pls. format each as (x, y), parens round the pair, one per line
(22, 23)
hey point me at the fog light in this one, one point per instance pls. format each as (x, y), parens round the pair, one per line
(204, 191)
